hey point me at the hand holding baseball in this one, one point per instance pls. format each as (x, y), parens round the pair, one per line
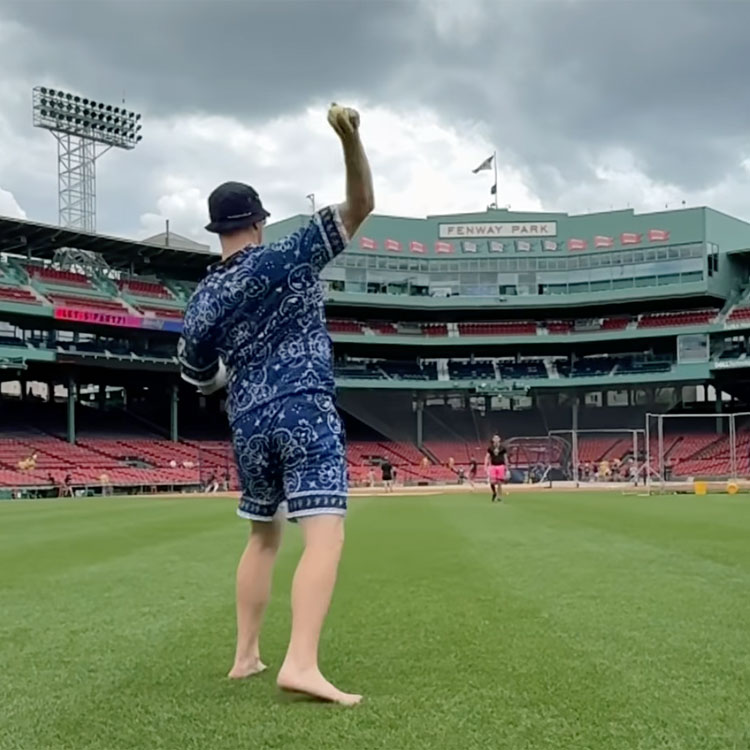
(343, 120)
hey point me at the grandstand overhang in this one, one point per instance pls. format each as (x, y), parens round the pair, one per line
(36, 240)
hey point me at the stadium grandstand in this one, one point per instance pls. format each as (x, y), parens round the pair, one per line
(445, 330)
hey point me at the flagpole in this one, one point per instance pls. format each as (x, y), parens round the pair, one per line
(494, 161)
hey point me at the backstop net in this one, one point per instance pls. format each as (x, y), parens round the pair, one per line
(604, 455)
(217, 470)
(698, 452)
(537, 460)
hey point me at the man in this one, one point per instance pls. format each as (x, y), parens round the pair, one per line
(472, 471)
(386, 470)
(495, 468)
(256, 324)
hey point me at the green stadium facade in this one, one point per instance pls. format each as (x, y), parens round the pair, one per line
(444, 328)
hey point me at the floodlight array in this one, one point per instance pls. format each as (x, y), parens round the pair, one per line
(63, 112)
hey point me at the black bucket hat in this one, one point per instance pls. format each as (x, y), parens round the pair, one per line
(234, 206)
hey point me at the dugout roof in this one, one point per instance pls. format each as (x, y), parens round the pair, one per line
(36, 240)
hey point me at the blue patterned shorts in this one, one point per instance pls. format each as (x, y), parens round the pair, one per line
(292, 450)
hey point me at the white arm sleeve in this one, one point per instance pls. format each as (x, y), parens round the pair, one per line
(218, 382)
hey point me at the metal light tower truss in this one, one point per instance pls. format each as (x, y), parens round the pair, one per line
(81, 261)
(84, 130)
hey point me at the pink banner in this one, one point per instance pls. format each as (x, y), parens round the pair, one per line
(631, 238)
(658, 235)
(100, 318)
(576, 244)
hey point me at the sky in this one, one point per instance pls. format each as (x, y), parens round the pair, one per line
(589, 104)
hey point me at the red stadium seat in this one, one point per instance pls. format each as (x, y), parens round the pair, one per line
(53, 276)
(504, 328)
(162, 312)
(90, 303)
(344, 326)
(688, 318)
(145, 288)
(18, 295)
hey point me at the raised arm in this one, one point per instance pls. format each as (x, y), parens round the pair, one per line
(329, 230)
(360, 196)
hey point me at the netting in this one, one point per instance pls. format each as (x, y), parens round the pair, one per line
(533, 460)
(690, 450)
(217, 470)
(606, 455)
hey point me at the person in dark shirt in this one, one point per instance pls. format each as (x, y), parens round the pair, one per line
(387, 474)
(495, 466)
(472, 470)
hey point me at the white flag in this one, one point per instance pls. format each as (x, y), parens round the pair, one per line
(485, 165)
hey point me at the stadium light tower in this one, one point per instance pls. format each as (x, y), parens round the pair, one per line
(84, 130)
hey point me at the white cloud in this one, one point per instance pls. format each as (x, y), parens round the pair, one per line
(621, 182)
(9, 206)
(420, 164)
(460, 23)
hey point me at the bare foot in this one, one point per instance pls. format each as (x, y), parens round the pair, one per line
(313, 683)
(243, 669)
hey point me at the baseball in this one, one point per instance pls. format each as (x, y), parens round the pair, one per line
(343, 120)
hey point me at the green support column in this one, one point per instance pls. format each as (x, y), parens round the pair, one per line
(175, 400)
(574, 428)
(71, 409)
(420, 422)
(721, 428)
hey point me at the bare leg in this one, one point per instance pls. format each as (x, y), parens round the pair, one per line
(253, 591)
(493, 487)
(312, 589)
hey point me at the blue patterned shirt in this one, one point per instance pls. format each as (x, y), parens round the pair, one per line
(262, 313)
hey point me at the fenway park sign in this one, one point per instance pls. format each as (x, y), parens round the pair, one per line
(499, 229)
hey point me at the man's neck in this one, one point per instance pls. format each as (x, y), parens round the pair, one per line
(230, 246)
(228, 252)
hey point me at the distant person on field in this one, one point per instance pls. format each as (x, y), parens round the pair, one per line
(495, 467)
(387, 471)
(472, 471)
(604, 470)
(255, 324)
(104, 479)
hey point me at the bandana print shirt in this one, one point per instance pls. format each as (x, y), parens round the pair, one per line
(262, 313)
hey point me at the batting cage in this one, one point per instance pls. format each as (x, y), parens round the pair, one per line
(538, 460)
(605, 455)
(698, 452)
(217, 469)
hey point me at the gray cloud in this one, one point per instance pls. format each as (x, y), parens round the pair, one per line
(553, 84)
(221, 56)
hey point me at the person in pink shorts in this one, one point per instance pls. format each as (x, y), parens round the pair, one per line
(495, 467)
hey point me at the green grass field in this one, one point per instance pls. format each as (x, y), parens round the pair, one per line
(553, 621)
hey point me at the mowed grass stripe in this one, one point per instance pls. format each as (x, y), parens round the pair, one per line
(100, 531)
(465, 624)
(665, 623)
